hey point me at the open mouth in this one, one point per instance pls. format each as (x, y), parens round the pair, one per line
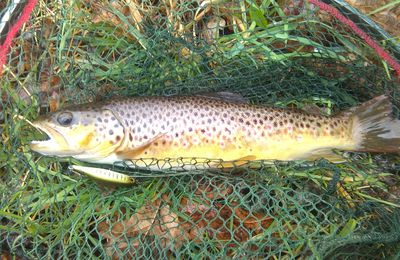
(55, 144)
(53, 141)
(49, 137)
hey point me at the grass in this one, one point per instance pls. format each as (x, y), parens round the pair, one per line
(386, 6)
(269, 56)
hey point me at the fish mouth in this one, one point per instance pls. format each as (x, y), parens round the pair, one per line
(55, 144)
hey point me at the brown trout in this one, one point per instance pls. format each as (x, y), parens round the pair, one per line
(203, 127)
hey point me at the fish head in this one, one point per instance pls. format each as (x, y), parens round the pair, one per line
(82, 134)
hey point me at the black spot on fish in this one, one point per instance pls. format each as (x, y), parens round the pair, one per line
(111, 132)
(99, 119)
(118, 138)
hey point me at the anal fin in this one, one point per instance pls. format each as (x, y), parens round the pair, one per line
(325, 153)
(236, 163)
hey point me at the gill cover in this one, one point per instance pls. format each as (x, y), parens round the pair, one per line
(86, 134)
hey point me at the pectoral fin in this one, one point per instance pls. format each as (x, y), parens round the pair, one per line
(137, 151)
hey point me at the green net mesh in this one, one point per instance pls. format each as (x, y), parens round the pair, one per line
(278, 53)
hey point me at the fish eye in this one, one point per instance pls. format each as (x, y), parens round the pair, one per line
(65, 118)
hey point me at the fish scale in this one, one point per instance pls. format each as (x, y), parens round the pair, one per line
(213, 128)
(179, 126)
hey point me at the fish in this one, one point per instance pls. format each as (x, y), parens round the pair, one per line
(158, 129)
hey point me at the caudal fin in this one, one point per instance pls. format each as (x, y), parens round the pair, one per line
(374, 128)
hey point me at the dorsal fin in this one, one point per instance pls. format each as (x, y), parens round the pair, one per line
(224, 96)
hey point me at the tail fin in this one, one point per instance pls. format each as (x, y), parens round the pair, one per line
(374, 128)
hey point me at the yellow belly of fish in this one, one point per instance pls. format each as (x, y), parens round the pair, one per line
(285, 148)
